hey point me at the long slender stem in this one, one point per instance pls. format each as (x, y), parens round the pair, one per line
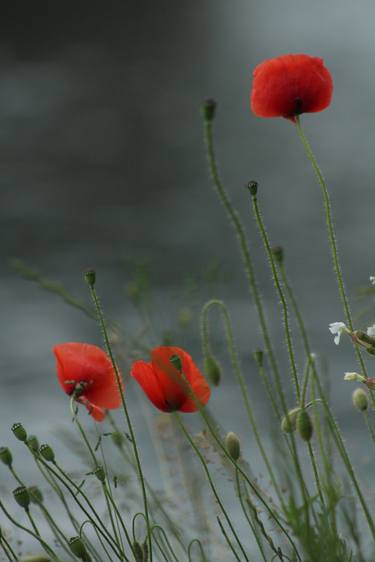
(331, 236)
(108, 346)
(245, 252)
(240, 379)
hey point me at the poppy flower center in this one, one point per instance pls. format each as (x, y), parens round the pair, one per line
(78, 388)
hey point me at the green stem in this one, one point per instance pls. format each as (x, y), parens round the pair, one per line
(107, 343)
(240, 380)
(280, 292)
(249, 269)
(331, 236)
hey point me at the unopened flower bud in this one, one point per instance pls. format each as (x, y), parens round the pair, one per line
(118, 438)
(208, 109)
(289, 422)
(278, 253)
(90, 277)
(6, 456)
(47, 453)
(252, 186)
(78, 548)
(176, 362)
(360, 399)
(258, 356)
(33, 443)
(19, 431)
(21, 495)
(304, 425)
(137, 551)
(232, 444)
(36, 495)
(100, 473)
(212, 370)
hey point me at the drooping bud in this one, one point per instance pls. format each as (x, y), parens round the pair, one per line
(176, 362)
(278, 253)
(21, 495)
(33, 443)
(252, 186)
(137, 551)
(232, 444)
(289, 422)
(258, 356)
(6, 456)
(100, 473)
(208, 109)
(19, 431)
(212, 370)
(360, 399)
(78, 548)
(304, 425)
(118, 438)
(47, 453)
(36, 495)
(90, 277)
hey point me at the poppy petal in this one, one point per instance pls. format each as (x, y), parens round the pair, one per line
(169, 378)
(144, 374)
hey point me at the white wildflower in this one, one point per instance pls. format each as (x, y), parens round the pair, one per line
(372, 280)
(371, 330)
(337, 328)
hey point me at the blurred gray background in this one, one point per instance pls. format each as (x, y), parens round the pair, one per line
(103, 163)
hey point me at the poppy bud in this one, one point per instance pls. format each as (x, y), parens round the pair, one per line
(47, 453)
(278, 253)
(21, 495)
(6, 456)
(90, 277)
(304, 425)
(36, 495)
(289, 422)
(176, 362)
(212, 370)
(33, 443)
(252, 186)
(19, 431)
(137, 551)
(208, 109)
(258, 356)
(78, 548)
(118, 438)
(99, 473)
(360, 399)
(232, 444)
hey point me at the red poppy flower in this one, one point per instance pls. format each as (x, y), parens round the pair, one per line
(87, 369)
(167, 377)
(289, 85)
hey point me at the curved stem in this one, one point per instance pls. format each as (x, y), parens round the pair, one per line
(107, 343)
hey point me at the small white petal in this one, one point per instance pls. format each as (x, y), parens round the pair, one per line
(336, 339)
(372, 280)
(371, 330)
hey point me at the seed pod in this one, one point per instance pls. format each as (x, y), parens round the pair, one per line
(212, 370)
(33, 443)
(19, 431)
(99, 473)
(47, 453)
(208, 109)
(252, 186)
(232, 444)
(6, 456)
(360, 399)
(21, 495)
(289, 422)
(78, 548)
(304, 425)
(90, 277)
(35, 494)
